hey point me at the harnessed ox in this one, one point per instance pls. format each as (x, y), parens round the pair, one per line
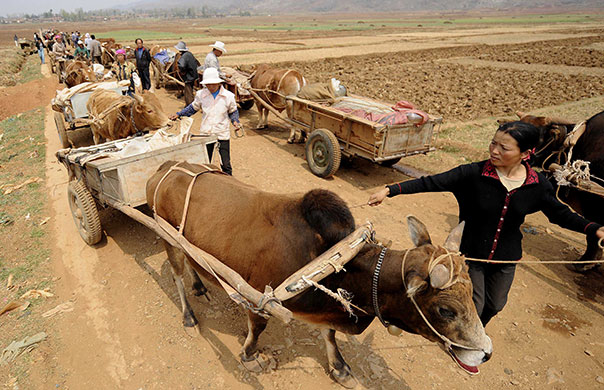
(78, 72)
(267, 237)
(266, 81)
(115, 116)
(589, 146)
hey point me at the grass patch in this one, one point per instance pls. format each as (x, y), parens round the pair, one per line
(24, 241)
(11, 61)
(371, 24)
(17, 68)
(147, 35)
(30, 70)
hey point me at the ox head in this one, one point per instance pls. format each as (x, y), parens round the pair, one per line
(148, 113)
(552, 132)
(442, 291)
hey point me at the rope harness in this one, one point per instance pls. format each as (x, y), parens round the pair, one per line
(576, 173)
(434, 261)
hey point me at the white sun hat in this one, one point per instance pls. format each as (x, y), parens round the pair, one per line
(210, 76)
(219, 46)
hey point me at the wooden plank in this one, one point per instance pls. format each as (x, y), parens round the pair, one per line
(332, 260)
(271, 108)
(174, 79)
(170, 234)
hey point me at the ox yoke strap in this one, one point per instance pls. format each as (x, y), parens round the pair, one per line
(176, 167)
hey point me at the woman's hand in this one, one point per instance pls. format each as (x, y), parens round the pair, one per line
(378, 197)
(173, 117)
(600, 233)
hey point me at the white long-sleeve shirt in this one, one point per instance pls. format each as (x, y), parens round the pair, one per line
(211, 61)
(215, 119)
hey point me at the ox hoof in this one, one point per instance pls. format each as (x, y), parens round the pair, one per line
(199, 289)
(193, 331)
(258, 363)
(344, 377)
(261, 127)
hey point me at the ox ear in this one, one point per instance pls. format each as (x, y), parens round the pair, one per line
(453, 242)
(418, 232)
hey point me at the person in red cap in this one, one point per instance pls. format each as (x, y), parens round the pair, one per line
(123, 70)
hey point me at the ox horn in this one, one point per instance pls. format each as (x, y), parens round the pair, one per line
(138, 98)
(558, 121)
(439, 276)
(520, 114)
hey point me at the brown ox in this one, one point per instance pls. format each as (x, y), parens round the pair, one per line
(283, 81)
(78, 72)
(267, 237)
(115, 116)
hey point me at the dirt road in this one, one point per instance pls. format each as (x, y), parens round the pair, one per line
(126, 332)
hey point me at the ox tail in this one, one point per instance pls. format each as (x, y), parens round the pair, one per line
(328, 215)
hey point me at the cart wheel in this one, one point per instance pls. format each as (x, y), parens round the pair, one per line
(247, 104)
(323, 153)
(61, 130)
(389, 163)
(84, 212)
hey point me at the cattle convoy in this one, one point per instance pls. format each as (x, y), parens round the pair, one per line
(298, 242)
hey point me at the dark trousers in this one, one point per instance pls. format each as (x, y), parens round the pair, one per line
(189, 96)
(224, 149)
(492, 283)
(145, 77)
(96, 59)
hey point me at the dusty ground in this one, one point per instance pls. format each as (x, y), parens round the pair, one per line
(125, 331)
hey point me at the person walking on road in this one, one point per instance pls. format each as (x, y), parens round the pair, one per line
(218, 107)
(143, 60)
(211, 60)
(95, 49)
(187, 66)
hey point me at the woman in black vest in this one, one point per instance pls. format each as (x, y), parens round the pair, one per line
(494, 197)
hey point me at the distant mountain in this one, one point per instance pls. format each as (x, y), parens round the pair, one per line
(356, 6)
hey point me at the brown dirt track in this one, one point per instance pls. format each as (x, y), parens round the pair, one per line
(126, 332)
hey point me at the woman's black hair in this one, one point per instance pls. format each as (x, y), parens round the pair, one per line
(136, 40)
(526, 135)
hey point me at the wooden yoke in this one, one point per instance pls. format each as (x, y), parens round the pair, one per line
(332, 260)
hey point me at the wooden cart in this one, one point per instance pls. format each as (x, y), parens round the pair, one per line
(331, 133)
(121, 184)
(74, 117)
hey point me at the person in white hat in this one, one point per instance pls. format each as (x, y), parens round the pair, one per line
(211, 60)
(218, 108)
(87, 40)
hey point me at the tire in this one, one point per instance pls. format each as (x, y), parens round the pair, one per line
(84, 212)
(61, 130)
(247, 104)
(323, 153)
(389, 163)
